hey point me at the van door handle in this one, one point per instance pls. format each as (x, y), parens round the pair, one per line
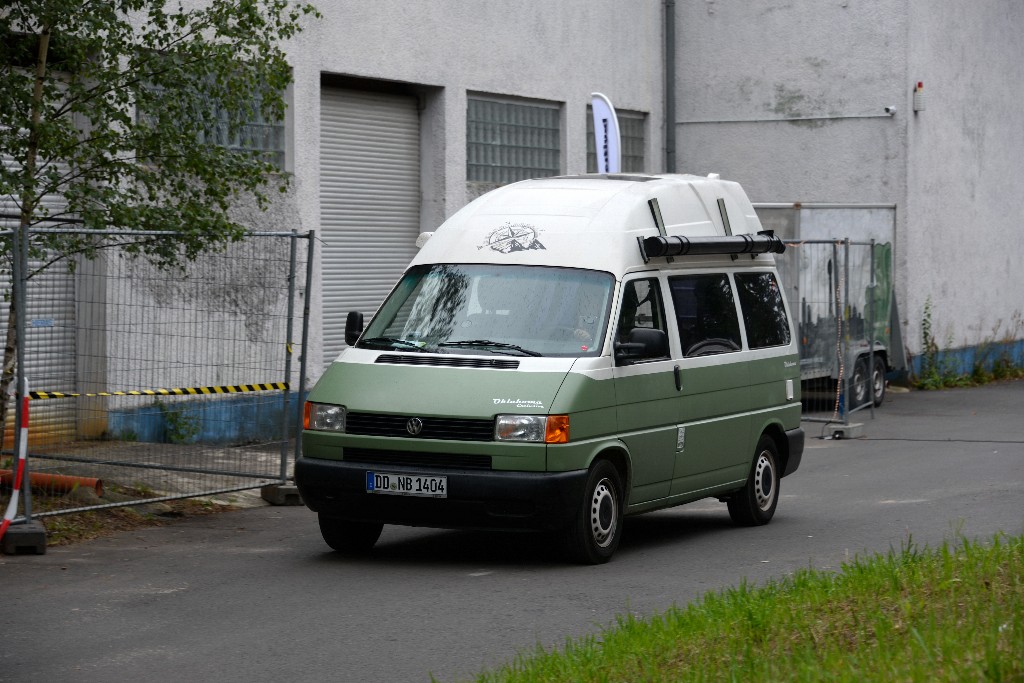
(679, 379)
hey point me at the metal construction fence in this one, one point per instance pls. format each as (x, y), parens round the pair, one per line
(151, 383)
(840, 295)
(838, 275)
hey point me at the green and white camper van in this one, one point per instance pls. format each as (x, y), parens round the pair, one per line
(563, 352)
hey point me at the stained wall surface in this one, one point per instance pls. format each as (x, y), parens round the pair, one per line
(789, 98)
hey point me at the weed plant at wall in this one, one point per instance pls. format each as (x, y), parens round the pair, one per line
(993, 359)
(180, 426)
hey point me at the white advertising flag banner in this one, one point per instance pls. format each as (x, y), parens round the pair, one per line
(606, 135)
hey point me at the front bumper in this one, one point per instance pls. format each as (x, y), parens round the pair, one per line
(477, 499)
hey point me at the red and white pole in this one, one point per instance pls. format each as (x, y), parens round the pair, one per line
(12, 506)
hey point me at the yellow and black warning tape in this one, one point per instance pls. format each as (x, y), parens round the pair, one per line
(181, 391)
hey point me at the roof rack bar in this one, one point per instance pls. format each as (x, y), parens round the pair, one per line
(764, 242)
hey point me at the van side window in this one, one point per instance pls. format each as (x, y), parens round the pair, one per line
(764, 315)
(642, 319)
(705, 314)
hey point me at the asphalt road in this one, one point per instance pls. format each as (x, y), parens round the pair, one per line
(255, 595)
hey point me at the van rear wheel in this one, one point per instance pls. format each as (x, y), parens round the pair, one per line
(594, 534)
(349, 537)
(755, 503)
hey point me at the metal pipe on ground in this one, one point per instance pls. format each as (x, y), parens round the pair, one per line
(55, 483)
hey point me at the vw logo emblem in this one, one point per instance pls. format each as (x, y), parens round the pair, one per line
(414, 426)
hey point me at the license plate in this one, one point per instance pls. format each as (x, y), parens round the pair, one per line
(406, 484)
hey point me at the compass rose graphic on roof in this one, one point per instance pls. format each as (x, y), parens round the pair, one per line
(514, 237)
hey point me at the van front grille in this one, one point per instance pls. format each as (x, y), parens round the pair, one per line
(444, 428)
(371, 456)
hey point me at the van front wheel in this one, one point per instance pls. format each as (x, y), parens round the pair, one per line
(348, 537)
(594, 534)
(755, 503)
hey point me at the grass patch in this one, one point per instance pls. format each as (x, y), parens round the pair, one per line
(955, 613)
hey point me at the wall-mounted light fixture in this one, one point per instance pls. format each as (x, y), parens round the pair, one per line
(919, 96)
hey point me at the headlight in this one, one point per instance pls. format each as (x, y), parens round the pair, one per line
(324, 417)
(532, 428)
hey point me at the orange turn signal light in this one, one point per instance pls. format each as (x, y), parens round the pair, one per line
(557, 429)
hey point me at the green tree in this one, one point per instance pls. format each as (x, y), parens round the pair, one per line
(112, 112)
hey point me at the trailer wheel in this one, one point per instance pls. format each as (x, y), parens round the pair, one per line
(859, 384)
(878, 381)
(348, 537)
(755, 503)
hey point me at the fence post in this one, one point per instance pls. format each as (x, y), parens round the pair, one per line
(31, 534)
(846, 327)
(872, 312)
(304, 358)
(288, 355)
(21, 239)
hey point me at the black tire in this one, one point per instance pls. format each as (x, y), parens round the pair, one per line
(348, 537)
(594, 534)
(860, 384)
(755, 503)
(878, 381)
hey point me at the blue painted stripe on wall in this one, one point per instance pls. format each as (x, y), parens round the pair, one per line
(236, 420)
(962, 361)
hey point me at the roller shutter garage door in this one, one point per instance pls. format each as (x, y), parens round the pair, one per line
(369, 201)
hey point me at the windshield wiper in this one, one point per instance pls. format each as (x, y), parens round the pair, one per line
(394, 341)
(497, 347)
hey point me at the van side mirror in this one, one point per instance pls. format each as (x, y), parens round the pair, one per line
(353, 327)
(643, 343)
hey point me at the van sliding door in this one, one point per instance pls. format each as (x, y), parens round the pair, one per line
(714, 422)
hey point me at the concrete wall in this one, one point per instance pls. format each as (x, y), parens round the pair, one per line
(443, 50)
(966, 170)
(788, 98)
(559, 51)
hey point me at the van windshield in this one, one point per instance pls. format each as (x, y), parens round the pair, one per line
(508, 310)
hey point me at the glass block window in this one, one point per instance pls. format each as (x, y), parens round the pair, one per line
(256, 135)
(266, 138)
(510, 141)
(631, 134)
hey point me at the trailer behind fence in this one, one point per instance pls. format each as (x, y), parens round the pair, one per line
(150, 384)
(838, 275)
(841, 304)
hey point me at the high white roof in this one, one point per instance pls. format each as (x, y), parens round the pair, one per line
(586, 221)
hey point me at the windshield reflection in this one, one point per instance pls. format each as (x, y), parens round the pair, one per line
(488, 309)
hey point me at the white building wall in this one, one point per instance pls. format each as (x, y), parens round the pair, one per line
(788, 98)
(966, 170)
